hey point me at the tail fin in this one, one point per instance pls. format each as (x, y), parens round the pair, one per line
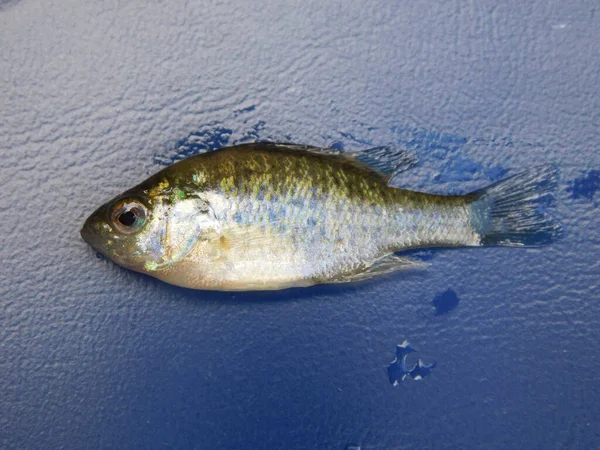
(511, 211)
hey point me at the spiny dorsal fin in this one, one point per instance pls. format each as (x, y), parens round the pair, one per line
(388, 161)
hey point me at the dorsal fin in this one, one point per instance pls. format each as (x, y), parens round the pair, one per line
(387, 161)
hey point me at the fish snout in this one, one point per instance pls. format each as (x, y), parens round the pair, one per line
(93, 232)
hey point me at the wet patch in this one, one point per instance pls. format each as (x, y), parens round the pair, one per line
(459, 169)
(252, 134)
(585, 186)
(458, 172)
(445, 302)
(351, 137)
(443, 168)
(496, 173)
(202, 141)
(430, 145)
(398, 370)
(434, 148)
(213, 137)
(420, 254)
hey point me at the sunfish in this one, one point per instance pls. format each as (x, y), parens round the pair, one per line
(268, 216)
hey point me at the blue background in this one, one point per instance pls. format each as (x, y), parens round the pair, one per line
(96, 96)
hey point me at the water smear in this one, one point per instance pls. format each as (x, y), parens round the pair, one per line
(210, 138)
(398, 370)
(445, 302)
(585, 186)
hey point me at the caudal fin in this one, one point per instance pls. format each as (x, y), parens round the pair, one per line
(511, 212)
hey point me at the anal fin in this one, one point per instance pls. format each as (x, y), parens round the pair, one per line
(383, 266)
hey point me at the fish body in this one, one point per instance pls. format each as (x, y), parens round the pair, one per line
(271, 216)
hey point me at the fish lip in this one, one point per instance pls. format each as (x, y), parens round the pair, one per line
(89, 235)
(94, 240)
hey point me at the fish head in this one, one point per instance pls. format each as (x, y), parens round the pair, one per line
(148, 229)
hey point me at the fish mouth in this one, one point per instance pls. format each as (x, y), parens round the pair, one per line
(99, 235)
(90, 235)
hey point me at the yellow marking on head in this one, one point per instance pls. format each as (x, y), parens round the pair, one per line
(160, 188)
(199, 178)
(179, 194)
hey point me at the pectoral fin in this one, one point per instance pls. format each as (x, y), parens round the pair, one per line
(386, 265)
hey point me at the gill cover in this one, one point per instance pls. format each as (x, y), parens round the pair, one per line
(174, 230)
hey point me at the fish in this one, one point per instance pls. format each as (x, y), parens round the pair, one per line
(269, 216)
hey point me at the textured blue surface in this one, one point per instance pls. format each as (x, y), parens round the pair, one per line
(94, 97)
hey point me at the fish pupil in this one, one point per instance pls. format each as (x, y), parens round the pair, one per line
(128, 218)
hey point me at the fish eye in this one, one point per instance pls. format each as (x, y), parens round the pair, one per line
(128, 216)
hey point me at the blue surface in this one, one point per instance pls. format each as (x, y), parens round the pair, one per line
(94, 97)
